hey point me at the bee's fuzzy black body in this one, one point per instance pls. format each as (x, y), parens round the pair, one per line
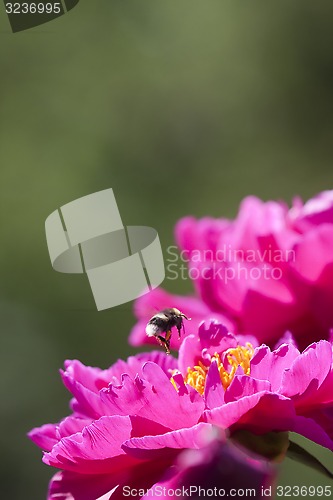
(163, 322)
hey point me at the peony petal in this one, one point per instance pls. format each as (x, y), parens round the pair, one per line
(181, 409)
(167, 362)
(71, 425)
(95, 450)
(323, 397)
(307, 372)
(89, 403)
(189, 352)
(212, 337)
(45, 436)
(262, 412)
(145, 427)
(267, 365)
(153, 397)
(94, 378)
(287, 338)
(124, 399)
(243, 385)
(191, 438)
(214, 392)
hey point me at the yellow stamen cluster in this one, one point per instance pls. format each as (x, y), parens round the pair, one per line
(238, 356)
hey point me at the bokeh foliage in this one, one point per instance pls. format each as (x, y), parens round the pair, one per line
(180, 107)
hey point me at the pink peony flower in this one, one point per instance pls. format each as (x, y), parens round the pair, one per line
(268, 271)
(127, 428)
(258, 389)
(130, 423)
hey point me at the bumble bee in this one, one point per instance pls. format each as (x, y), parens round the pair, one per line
(162, 322)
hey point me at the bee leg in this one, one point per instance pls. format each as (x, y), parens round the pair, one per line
(168, 335)
(167, 341)
(164, 342)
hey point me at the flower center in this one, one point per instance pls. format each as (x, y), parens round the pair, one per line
(233, 358)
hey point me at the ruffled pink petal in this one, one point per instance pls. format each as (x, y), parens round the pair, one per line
(186, 408)
(308, 372)
(154, 397)
(95, 379)
(189, 352)
(166, 362)
(145, 427)
(132, 366)
(90, 377)
(323, 397)
(243, 385)
(262, 412)
(287, 338)
(48, 435)
(85, 382)
(212, 337)
(268, 365)
(45, 436)
(124, 399)
(71, 425)
(214, 392)
(215, 336)
(89, 403)
(189, 438)
(95, 450)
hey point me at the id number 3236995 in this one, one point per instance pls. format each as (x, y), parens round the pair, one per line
(33, 8)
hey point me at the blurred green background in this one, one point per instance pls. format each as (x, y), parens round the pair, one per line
(180, 107)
